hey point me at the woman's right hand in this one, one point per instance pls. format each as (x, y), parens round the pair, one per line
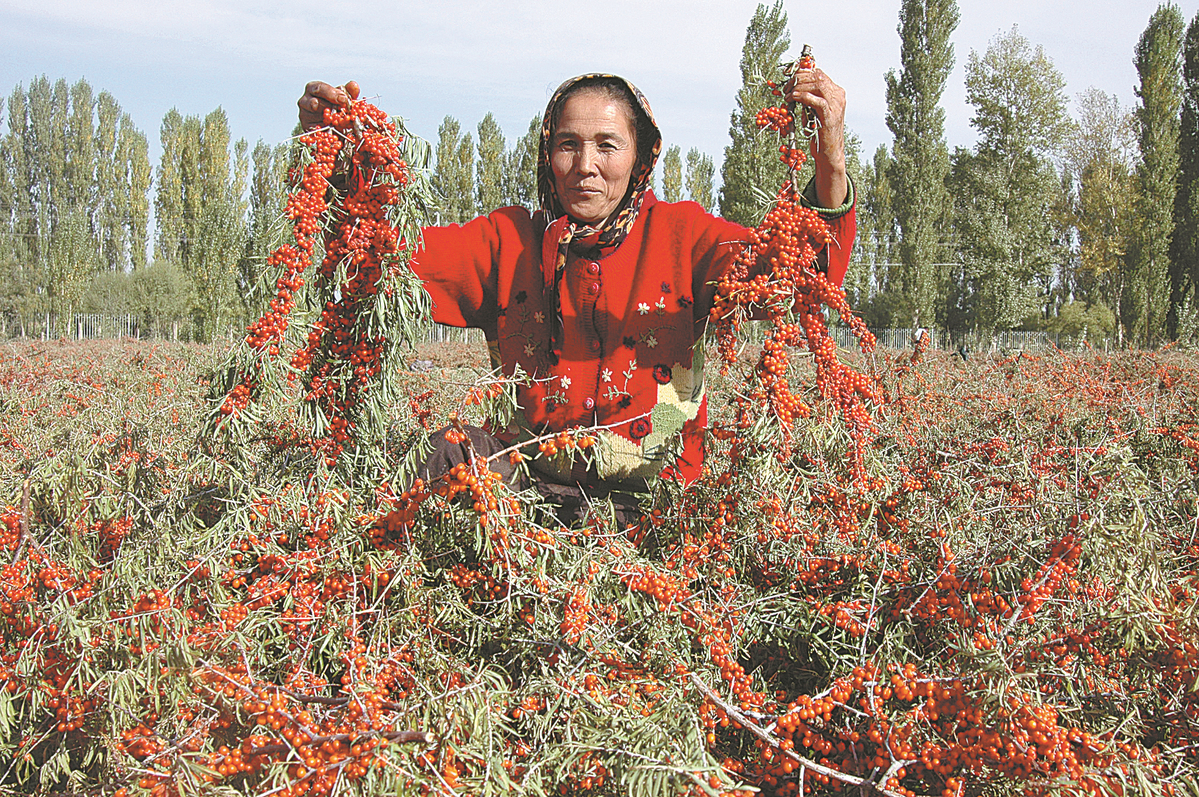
(318, 96)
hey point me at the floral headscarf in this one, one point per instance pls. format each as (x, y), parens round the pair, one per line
(569, 235)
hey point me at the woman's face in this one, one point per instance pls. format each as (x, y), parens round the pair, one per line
(592, 152)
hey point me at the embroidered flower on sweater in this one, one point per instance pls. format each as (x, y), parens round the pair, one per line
(539, 317)
(643, 308)
(606, 375)
(660, 307)
(565, 382)
(665, 287)
(640, 428)
(530, 349)
(685, 301)
(629, 341)
(522, 297)
(650, 340)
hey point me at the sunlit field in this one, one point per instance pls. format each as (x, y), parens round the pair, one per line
(1008, 605)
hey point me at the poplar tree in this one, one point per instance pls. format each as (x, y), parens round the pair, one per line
(19, 169)
(111, 196)
(672, 175)
(44, 156)
(217, 225)
(1184, 245)
(873, 285)
(489, 188)
(464, 167)
(11, 205)
(921, 157)
(520, 168)
(168, 199)
(6, 199)
(751, 162)
(1158, 60)
(80, 151)
(201, 219)
(268, 196)
(25, 294)
(700, 173)
(453, 176)
(134, 156)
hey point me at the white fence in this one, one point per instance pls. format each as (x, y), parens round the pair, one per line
(972, 342)
(92, 327)
(81, 326)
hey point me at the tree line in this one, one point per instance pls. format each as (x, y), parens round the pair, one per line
(1083, 225)
(76, 206)
(475, 179)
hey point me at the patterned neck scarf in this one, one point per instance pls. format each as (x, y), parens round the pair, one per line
(569, 235)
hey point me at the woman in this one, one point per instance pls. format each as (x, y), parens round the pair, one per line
(602, 296)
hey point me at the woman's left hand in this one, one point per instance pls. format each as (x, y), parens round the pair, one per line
(824, 98)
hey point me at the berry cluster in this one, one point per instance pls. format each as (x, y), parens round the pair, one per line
(341, 358)
(776, 277)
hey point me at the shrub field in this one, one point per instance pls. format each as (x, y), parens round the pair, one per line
(1008, 604)
(899, 573)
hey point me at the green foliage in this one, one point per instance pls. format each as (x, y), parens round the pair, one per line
(111, 293)
(672, 175)
(168, 196)
(268, 197)
(1076, 321)
(20, 298)
(751, 160)
(519, 176)
(1100, 160)
(16, 203)
(135, 154)
(489, 177)
(1184, 243)
(700, 173)
(1005, 190)
(164, 296)
(73, 191)
(453, 176)
(71, 262)
(201, 214)
(873, 278)
(1158, 60)
(920, 165)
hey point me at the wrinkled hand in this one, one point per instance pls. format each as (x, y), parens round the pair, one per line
(318, 96)
(824, 98)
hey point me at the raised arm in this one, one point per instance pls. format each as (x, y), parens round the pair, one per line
(816, 90)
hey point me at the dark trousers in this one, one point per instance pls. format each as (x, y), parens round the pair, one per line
(568, 504)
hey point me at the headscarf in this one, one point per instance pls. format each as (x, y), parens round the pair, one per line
(586, 239)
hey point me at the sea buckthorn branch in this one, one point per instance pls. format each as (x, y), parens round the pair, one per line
(369, 301)
(805, 763)
(775, 276)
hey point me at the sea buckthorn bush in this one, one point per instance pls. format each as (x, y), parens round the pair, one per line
(899, 573)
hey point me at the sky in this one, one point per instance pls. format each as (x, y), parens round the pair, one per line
(464, 58)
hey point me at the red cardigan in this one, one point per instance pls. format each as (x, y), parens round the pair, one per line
(632, 329)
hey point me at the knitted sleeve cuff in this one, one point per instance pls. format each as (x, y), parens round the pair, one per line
(809, 199)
